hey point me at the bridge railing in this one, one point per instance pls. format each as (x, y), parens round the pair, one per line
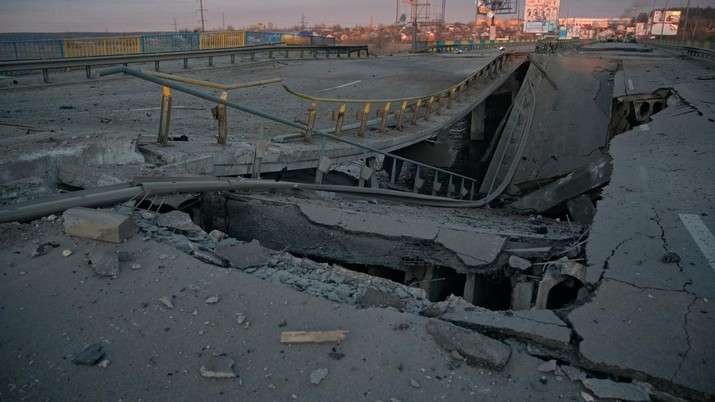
(146, 43)
(458, 186)
(391, 112)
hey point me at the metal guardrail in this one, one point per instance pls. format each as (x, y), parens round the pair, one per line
(422, 106)
(701, 50)
(89, 62)
(459, 186)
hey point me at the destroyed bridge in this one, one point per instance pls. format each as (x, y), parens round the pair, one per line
(545, 218)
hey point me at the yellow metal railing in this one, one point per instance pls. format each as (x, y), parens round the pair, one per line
(102, 46)
(402, 110)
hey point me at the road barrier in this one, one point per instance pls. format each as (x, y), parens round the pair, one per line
(147, 43)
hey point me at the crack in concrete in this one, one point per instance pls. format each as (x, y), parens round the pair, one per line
(663, 239)
(687, 339)
(608, 260)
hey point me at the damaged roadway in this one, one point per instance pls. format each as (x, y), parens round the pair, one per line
(196, 313)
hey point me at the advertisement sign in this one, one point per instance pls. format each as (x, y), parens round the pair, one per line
(641, 29)
(665, 22)
(538, 14)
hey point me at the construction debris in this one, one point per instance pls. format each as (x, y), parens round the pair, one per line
(90, 355)
(607, 389)
(476, 348)
(218, 367)
(297, 337)
(97, 224)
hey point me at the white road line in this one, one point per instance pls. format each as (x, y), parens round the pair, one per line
(630, 84)
(341, 86)
(702, 236)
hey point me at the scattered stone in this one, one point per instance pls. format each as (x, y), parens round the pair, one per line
(104, 263)
(124, 256)
(98, 224)
(136, 266)
(476, 348)
(104, 363)
(217, 235)
(90, 355)
(607, 389)
(318, 375)
(179, 222)
(519, 263)
(373, 297)
(548, 367)
(44, 248)
(166, 301)
(671, 258)
(543, 380)
(66, 253)
(212, 300)
(435, 310)
(240, 318)
(573, 373)
(587, 397)
(243, 255)
(581, 209)
(218, 367)
(456, 355)
(210, 258)
(51, 218)
(414, 383)
(334, 354)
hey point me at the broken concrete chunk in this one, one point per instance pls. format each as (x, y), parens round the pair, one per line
(166, 301)
(372, 297)
(317, 376)
(212, 300)
(521, 295)
(210, 258)
(548, 367)
(581, 209)
(90, 355)
(243, 255)
(44, 248)
(98, 224)
(476, 348)
(104, 263)
(217, 235)
(540, 326)
(519, 263)
(607, 389)
(179, 222)
(574, 373)
(218, 367)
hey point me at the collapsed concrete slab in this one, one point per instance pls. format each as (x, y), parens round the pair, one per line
(243, 255)
(589, 177)
(179, 222)
(98, 224)
(540, 326)
(607, 389)
(476, 348)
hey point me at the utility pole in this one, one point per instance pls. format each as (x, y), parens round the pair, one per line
(685, 20)
(223, 22)
(176, 27)
(203, 20)
(397, 12)
(302, 22)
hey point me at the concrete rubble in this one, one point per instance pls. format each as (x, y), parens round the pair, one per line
(477, 349)
(97, 224)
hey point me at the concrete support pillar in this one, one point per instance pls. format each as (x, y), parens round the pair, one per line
(476, 126)
(211, 61)
(46, 75)
(323, 168)
(156, 65)
(470, 285)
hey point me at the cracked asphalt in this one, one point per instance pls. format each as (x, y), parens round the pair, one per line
(650, 318)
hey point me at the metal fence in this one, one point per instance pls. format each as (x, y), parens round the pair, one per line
(146, 43)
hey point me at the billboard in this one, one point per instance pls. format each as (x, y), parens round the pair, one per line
(541, 16)
(665, 22)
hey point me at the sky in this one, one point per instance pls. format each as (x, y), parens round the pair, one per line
(160, 15)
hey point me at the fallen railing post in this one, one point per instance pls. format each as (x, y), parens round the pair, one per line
(384, 114)
(363, 118)
(165, 115)
(416, 111)
(401, 115)
(340, 118)
(312, 114)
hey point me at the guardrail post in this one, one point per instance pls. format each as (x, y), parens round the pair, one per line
(385, 113)
(165, 115)
(312, 114)
(340, 118)
(156, 65)
(363, 118)
(416, 111)
(428, 110)
(186, 63)
(286, 53)
(253, 56)
(233, 59)
(450, 97)
(302, 53)
(270, 54)
(219, 113)
(401, 115)
(323, 168)
(88, 71)
(46, 75)
(418, 181)
(211, 61)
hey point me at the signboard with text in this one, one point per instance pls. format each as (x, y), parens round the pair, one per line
(665, 22)
(541, 16)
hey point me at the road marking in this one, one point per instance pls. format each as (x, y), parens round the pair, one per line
(341, 86)
(630, 84)
(702, 236)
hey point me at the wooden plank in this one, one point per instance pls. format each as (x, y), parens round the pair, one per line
(336, 336)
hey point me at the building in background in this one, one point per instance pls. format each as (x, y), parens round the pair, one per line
(664, 22)
(541, 16)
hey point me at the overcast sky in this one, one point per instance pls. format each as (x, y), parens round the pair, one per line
(158, 15)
